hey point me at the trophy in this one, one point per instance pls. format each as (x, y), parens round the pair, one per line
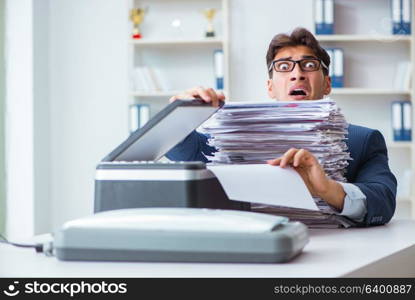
(210, 14)
(137, 16)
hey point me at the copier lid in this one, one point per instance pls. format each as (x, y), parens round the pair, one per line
(162, 132)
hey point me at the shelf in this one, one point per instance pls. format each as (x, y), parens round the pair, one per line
(171, 42)
(155, 93)
(400, 145)
(334, 92)
(159, 93)
(368, 91)
(363, 38)
(403, 199)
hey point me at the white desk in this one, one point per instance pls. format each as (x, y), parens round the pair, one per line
(384, 251)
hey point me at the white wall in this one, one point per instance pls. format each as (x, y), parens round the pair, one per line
(66, 78)
(2, 120)
(19, 119)
(88, 97)
(41, 117)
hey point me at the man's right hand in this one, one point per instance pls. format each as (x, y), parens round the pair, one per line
(208, 95)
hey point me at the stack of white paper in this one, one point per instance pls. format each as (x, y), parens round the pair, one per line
(256, 132)
(252, 133)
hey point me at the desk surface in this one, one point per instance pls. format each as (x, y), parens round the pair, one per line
(383, 251)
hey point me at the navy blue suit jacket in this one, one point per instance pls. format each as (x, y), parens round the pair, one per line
(369, 169)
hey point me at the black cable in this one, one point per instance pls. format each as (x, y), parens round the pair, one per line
(37, 247)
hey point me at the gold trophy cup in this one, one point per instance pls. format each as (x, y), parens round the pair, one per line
(137, 16)
(210, 14)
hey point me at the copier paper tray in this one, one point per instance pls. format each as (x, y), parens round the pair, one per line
(180, 235)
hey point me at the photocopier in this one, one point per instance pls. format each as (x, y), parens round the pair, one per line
(147, 210)
(131, 177)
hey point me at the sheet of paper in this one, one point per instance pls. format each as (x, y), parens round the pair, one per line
(263, 183)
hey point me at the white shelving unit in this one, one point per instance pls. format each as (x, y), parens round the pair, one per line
(158, 93)
(369, 91)
(170, 42)
(367, 96)
(400, 145)
(179, 56)
(184, 58)
(367, 38)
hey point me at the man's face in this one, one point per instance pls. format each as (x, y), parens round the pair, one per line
(297, 84)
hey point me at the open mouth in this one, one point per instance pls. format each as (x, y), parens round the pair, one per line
(298, 92)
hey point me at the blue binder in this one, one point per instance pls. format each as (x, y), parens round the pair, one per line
(337, 80)
(218, 67)
(139, 115)
(396, 12)
(324, 16)
(330, 53)
(329, 16)
(401, 11)
(406, 16)
(406, 121)
(318, 16)
(397, 120)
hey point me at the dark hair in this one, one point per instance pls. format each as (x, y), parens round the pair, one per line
(299, 37)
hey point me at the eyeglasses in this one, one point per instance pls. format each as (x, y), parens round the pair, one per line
(306, 65)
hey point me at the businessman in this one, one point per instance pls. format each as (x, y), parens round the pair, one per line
(298, 70)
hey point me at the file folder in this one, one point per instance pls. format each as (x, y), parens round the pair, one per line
(218, 66)
(401, 16)
(139, 115)
(396, 16)
(324, 16)
(337, 80)
(329, 16)
(397, 121)
(406, 16)
(318, 16)
(330, 53)
(407, 121)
